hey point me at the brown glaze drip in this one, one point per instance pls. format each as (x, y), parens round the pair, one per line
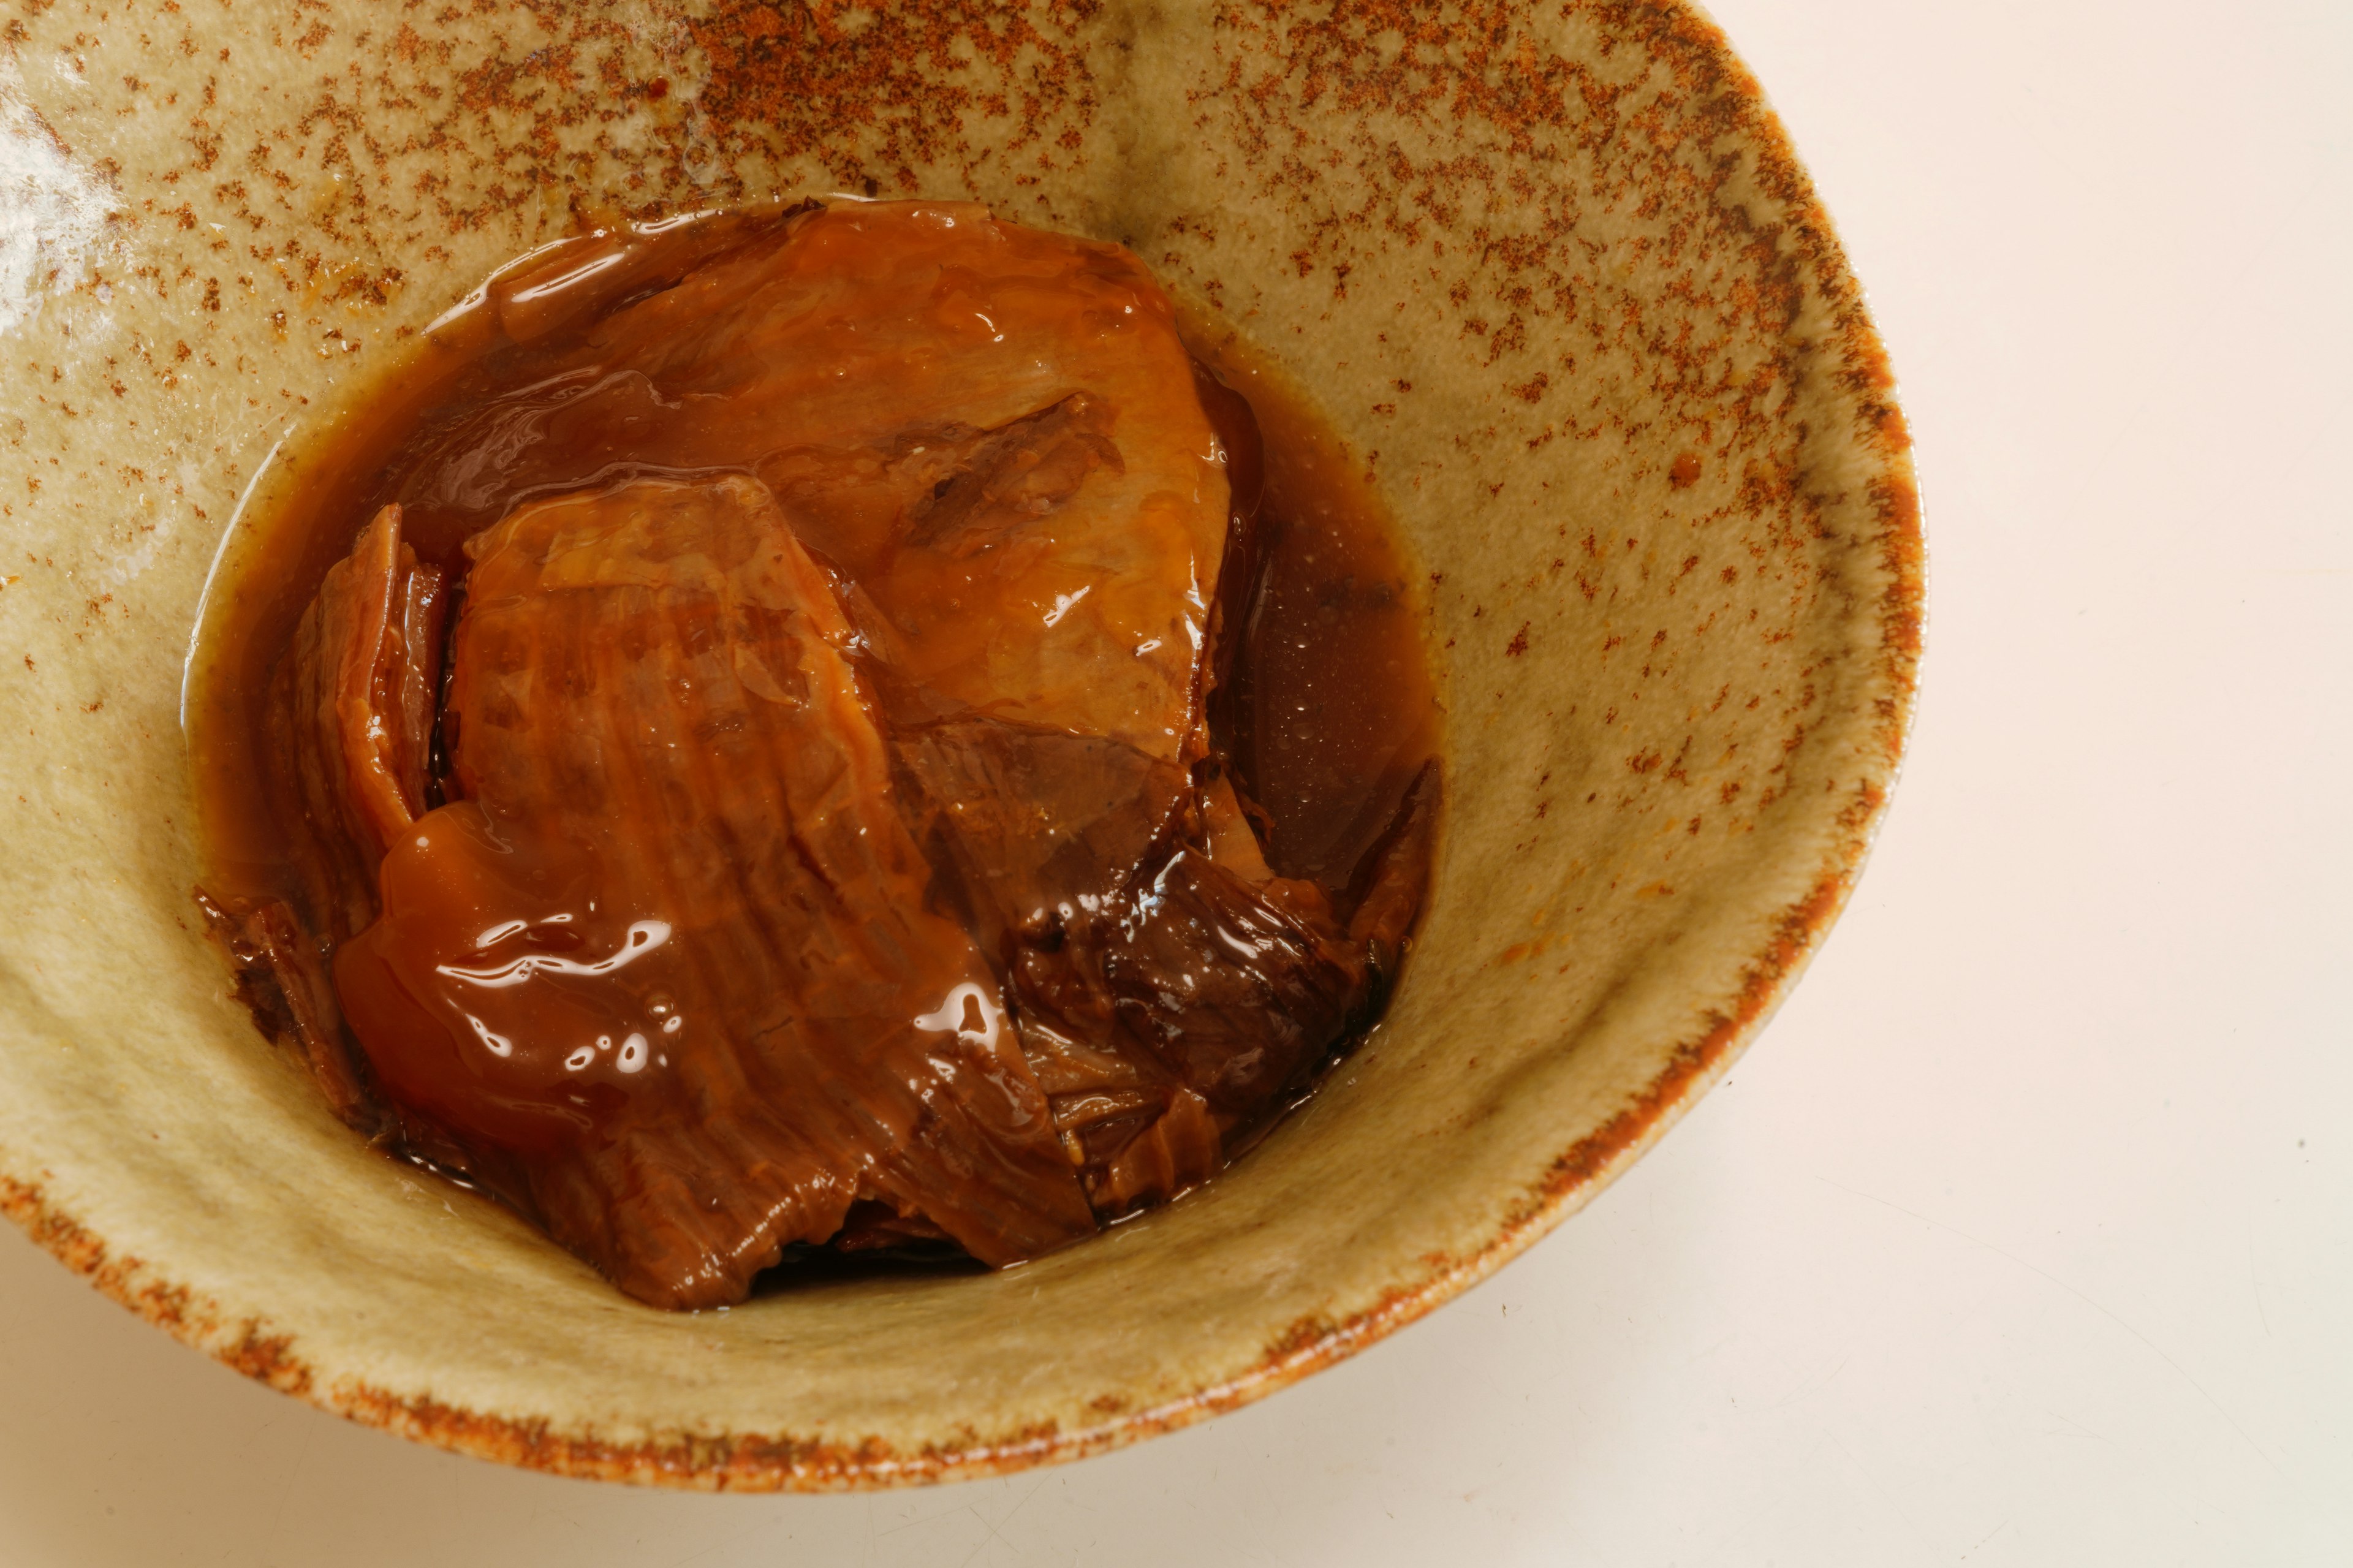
(908, 765)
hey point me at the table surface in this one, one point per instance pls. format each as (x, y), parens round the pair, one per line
(2025, 1234)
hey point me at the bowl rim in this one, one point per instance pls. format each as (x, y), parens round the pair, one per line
(783, 1462)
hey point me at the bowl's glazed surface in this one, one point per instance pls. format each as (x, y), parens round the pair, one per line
(1552, 271)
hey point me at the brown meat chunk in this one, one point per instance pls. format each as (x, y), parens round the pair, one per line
(350, 726)
(351, 717)
(668, 966)
(282, 978)
(1040, 827)
(991, 429)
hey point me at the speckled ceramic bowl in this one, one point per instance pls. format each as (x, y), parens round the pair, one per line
(1551, 270)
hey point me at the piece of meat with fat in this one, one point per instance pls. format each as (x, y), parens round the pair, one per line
(350, 725)
(665, 975)
(916, 381)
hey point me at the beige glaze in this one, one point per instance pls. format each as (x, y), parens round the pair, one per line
(1553, 274)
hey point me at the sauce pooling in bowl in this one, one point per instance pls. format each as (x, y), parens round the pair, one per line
(833, 728)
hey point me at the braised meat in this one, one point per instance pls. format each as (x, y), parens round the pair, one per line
(669, 956)
(819, 825)
(351, 721)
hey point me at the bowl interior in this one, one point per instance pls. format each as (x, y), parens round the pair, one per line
(1553, 274)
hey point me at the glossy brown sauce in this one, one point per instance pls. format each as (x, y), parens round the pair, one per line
(614, 881)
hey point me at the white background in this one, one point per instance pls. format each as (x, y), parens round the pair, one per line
(2025, 1235)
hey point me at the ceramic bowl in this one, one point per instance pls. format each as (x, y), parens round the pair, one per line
(1553, 272)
